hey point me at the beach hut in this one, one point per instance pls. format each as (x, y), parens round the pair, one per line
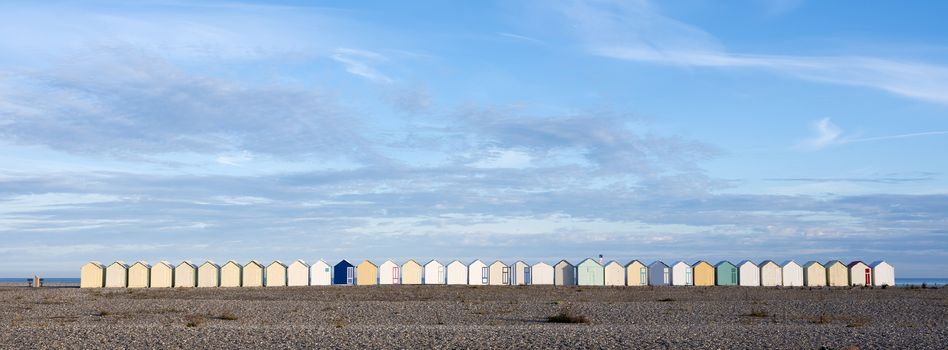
(590, 272)
(320, 274)
(231, 274)
(457, 273)
(725, 274)
(162, 275)
(209, 275)
(883, 274)
(92, 275)
(521, 273)
(252, 274)
(116, 275)
(275, 275)
(367, 274)
(297, 274)
(435, 273)
(748, 274)
(837, 275)
(792, 274)
(859, 274)
(541, 273)
(613, 274)
(703, 273)
(498, 274)
(477, 273)
(636, 273)
(139, 274)
(659, 274)
(185, 275)
(390, 273)
(412, 272)
(682, 274)
(814, 274)
(770, 274)
(564, 274)
(343, 273)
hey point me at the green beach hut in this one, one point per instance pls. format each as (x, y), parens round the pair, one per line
(590, 273)
(725, 274)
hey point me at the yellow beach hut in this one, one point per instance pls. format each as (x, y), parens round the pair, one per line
(411, 272)
(367, 274)
(297, 274)
(814, 274)
(185, 275)
(231, 274)
(116, 275)
(92, 275)
(252, 274)
(139, 275)
(209, 275)
(636, 274)
(276, 274)
(703, 273)
(837, 275)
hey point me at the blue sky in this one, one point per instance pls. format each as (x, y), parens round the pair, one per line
(535, 130)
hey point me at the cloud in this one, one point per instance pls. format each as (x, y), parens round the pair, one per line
(128, 103)
(828, 134)
(638, 31)
(359, 62)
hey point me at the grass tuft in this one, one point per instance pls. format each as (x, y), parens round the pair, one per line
(758, 313)
(567, 317)
(227, 316)
(195, 321)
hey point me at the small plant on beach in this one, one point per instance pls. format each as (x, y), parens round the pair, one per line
(195, 321)
(857, 322)
(823, 319)
(567, 317)
(227, 316)
(755, 312)
(557, 302)
(103, 313)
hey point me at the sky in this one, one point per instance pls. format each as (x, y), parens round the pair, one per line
(534, 130)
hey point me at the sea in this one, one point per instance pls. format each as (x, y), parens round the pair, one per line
(898, 281)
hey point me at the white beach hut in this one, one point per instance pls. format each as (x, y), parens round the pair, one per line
(390, 273)
(231, 274)
(252, 275)
(92, 275)
(276, 274)
(792, 274)
(814, 274)
(457, 273)
(564, 274)
(209, 275)
(883, 274)
(614, 274)
(116, 275)
(185, 275)
(859, 274)
(162, 275)
(521, 273)
(541, 274)
(320, 274)
(435, 273)
(748, 274)
(477, 273)
(682, 274)
(297, 274)
(770, 274)
(139, 275)
(499, 274)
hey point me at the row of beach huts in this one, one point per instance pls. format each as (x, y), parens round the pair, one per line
(589, 272)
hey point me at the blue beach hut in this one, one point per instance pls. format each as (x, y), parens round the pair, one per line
(343, 273)
(659, 274)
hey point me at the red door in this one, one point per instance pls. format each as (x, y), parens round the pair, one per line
(868, 277)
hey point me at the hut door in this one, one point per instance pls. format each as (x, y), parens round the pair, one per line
(526, 275)
(395, 275)
(665, 275)
(734, 276)
(485, 274)
(689, 277)
(643, 276)
(349, 274)
(868, 277)
(505, 275)
(440, 274)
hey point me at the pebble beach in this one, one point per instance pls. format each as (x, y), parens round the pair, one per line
(479, 317)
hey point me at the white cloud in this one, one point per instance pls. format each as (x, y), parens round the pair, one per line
(827, 134)
(504, 159)
(637, 31)
(360, 63)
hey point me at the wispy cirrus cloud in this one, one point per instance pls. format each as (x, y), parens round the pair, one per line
(639, 31)
(361, 63)
(828, 134)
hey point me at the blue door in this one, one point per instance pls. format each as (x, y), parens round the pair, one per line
(485, 274)
(526, 276)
